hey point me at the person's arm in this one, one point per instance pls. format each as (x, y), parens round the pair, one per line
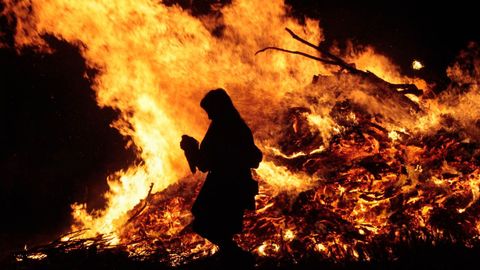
(253, 155)
(197, 157)
(191, 150)
(202, 160)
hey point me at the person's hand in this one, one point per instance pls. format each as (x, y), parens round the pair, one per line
(190, 148)
(188, 143)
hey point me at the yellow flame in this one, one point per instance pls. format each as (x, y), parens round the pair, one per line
(321, 248)
(267, 248)
(282, 179)
(417, 65)
(156, 62)
(289, 235)
(37, 256)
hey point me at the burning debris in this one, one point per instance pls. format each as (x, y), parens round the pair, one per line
(357, 164)
(367, 190)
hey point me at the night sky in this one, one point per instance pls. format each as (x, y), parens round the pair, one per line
(57, 146)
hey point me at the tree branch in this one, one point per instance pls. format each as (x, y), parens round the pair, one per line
(326, 61)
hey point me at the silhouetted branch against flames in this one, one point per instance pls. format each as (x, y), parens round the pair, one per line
(146, 201)
(397, 91)
(323, 60)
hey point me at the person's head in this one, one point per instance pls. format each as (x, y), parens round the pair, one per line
(218, 105)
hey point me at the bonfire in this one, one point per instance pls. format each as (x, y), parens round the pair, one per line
(359, 159)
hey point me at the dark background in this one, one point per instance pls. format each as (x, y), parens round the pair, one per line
(57, 146)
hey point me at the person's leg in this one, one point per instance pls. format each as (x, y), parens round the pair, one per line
(227, 243)
(232, 256)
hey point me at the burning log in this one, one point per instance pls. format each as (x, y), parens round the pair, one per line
(146, 201)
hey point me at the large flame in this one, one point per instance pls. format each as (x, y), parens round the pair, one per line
(155, 63)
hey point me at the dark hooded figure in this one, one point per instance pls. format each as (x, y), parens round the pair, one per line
(227, 153)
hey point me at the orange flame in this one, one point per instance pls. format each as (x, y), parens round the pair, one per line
(156, 62)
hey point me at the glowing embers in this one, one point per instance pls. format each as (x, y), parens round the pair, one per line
(351, 169)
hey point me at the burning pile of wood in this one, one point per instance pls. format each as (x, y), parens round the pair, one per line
(371, 189)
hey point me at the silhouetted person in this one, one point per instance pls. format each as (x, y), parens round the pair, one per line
(227, 153)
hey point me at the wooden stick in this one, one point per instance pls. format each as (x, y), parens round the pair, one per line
(144, 205)
(337, 60)
(326, 61)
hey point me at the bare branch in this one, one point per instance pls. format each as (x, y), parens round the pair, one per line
(396, 91)
(338, 61)
(326, 61)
